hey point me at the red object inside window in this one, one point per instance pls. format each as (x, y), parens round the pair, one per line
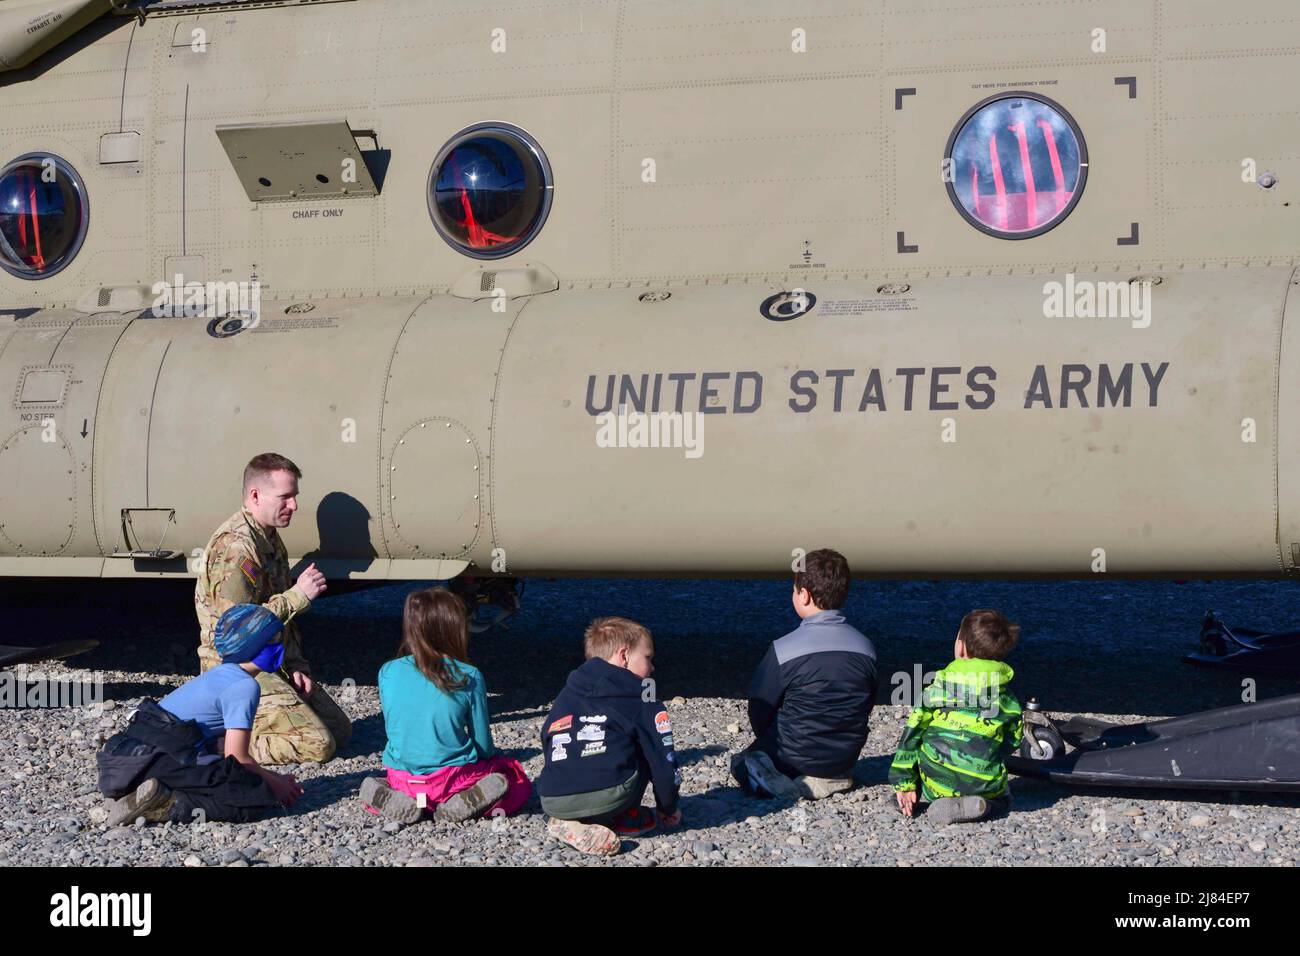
(1017, 202)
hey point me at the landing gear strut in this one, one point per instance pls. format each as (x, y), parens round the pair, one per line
(1041, 740)
(490, 601)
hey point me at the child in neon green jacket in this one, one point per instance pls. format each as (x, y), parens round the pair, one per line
(956, 742)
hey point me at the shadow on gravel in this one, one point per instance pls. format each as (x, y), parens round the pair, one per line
(1097, 646)
(368, 737)
(127, 691)
(691, 755)
(323, 791)
(871, 771)
(522, 754)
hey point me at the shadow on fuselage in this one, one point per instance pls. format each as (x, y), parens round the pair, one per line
(343, 528)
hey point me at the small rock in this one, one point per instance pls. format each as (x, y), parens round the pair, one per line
(393, 827)
(193, 860)
(794, 840)
(231, 856)
(1200, 820)
(1257, 846)
(702, 847)
(733, 728)
(98, 814)
(110, 705)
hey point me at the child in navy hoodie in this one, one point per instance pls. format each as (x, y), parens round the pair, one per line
(605, 740)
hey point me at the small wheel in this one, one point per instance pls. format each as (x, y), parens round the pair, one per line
(1041, 743)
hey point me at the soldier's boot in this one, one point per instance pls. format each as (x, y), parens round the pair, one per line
(151, 800)
(391, 804)
(470, 803)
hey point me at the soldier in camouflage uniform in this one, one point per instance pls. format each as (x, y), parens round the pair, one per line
(245, 562)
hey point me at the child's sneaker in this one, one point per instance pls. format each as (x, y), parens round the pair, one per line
(151, 800)
(765, 778)
(958, 810)
(819, 788)
(634, 822)
(391, 804)
(470, 803)
(590, 838)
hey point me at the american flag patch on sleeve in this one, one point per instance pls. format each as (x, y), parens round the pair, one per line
(251, 571)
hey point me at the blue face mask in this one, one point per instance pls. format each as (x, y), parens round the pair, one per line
(271, 657)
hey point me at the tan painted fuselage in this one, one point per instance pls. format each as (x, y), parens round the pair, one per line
(924, 415)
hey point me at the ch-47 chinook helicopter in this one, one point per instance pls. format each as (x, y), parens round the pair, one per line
(976, 288)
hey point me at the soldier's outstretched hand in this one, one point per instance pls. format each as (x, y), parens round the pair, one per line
(311, 582)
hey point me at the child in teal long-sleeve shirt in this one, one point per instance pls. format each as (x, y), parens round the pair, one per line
(428, 731)
(440, 755)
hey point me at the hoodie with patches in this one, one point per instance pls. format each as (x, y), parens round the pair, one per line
(600, 732)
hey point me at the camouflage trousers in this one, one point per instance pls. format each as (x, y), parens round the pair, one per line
(289, 729)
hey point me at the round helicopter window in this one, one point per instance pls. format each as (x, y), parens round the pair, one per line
(1015, 165)
(43, 215)
(490, 190)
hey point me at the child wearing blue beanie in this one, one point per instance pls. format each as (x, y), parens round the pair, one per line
(185, 757)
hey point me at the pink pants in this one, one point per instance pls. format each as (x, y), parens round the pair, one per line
(443, 784)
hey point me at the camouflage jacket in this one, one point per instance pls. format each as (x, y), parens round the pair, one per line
(243, 564)
(957, 740)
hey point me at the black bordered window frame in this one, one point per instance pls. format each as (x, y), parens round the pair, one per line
(548, 187)
(1061, 111)
(83, 229)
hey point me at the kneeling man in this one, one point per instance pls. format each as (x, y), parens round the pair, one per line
(245, 562)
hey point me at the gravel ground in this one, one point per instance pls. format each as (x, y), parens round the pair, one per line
(51, 813)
